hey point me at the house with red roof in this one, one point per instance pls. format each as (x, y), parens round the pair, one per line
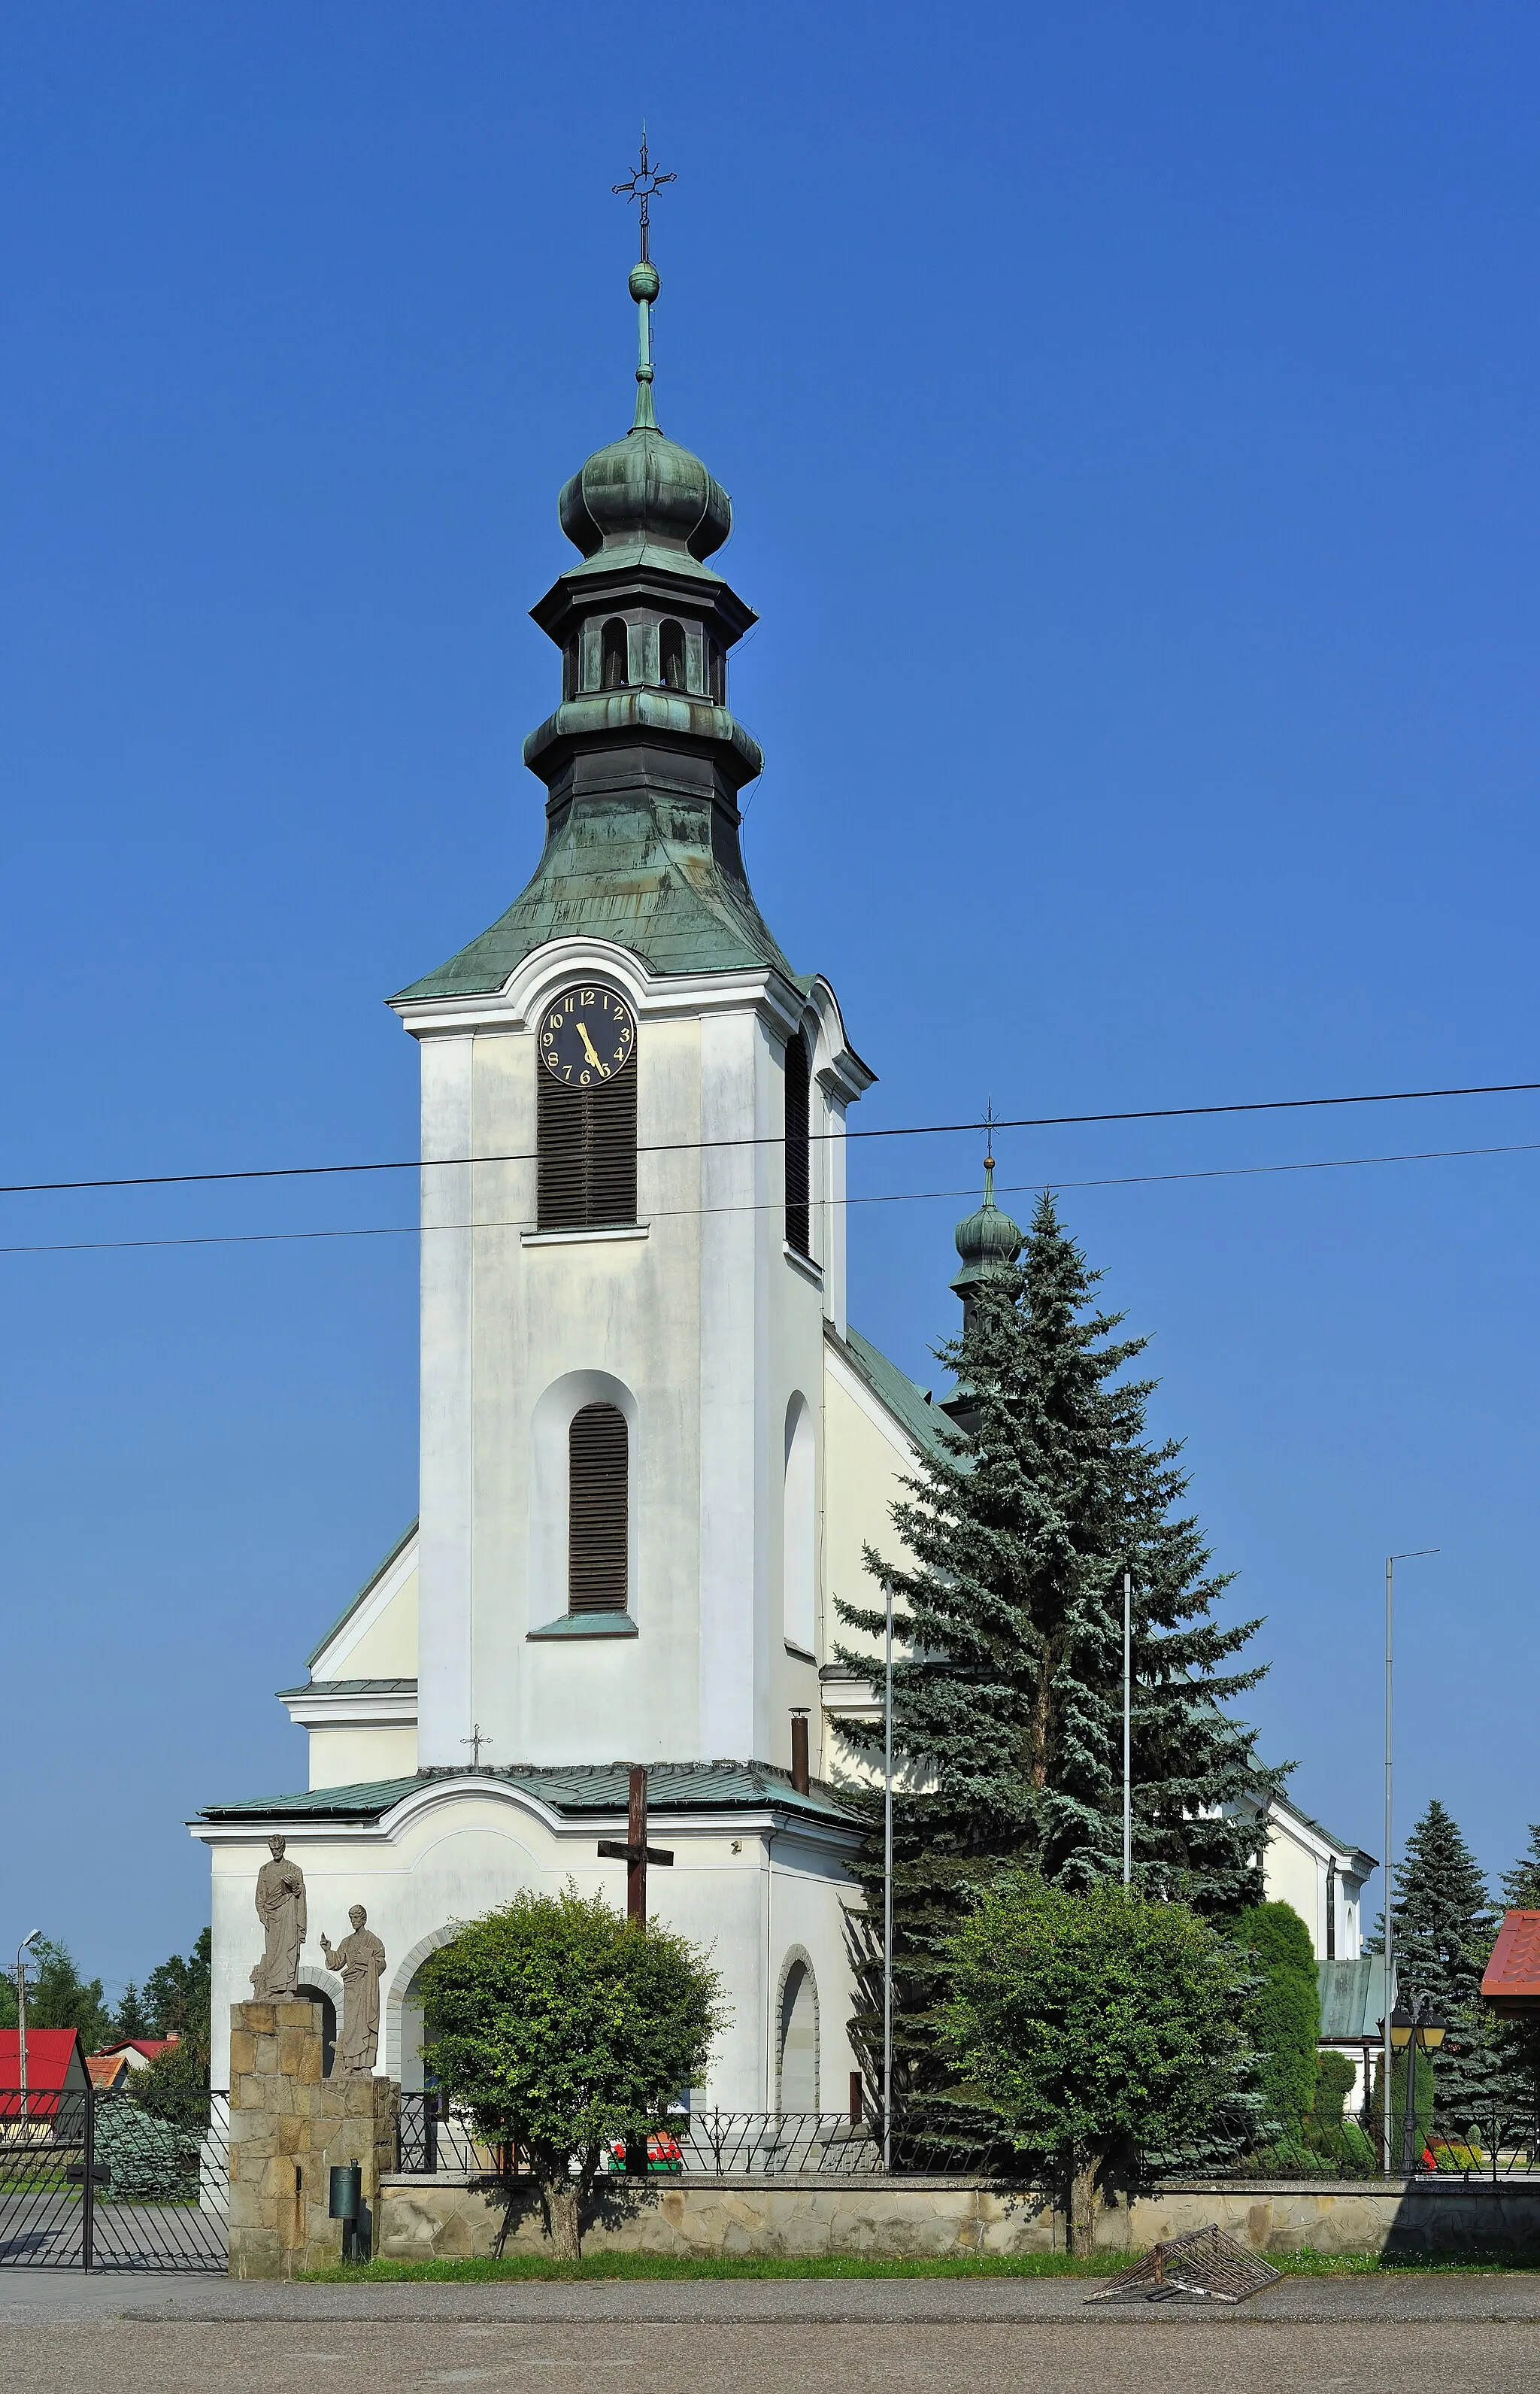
(54, 2066)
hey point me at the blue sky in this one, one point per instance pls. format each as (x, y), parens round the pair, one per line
(1129, 418)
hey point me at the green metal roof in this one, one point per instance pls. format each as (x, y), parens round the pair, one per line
(903, 1397)
(352, 1687)
(667, 900)
(1353, 1999)
(576, 1789)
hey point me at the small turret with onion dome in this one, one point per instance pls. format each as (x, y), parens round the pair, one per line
(988, 1240)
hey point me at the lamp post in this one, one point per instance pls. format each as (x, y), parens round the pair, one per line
(888, 1890)
(1413, 2028)
(21, 1952)
(1127, 1713)
(1413, 1555)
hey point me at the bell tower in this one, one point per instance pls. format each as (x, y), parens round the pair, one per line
(633, 1198)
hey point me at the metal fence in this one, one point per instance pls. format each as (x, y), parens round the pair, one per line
(1447, 2138)
(96, 2180)
(435, 2137)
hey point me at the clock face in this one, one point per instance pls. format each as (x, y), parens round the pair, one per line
(587, 1036)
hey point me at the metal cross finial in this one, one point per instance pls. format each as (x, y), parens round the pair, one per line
(477, 1739)
(989, 1152)
(643, 187)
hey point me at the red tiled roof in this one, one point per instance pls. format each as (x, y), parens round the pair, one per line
(106, 2069)
(1512, 1979)
(50, 2053)
(150, 2046)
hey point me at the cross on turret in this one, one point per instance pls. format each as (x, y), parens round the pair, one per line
(643, 187)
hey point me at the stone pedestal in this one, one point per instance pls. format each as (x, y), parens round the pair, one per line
(289, 2127)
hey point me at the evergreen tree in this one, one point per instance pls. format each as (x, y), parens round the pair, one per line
(1445, 1925)
(1284, 2015)
(1521, 1884)
(178, 1995)
(130, 2019)
(59, 1997)
(1008, 1697)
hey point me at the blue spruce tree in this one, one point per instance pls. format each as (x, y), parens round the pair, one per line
(1007, 1699)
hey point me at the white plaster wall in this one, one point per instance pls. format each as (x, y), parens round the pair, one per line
(347, 1757)
(447, 1299)
(387, 1649)
(456, 1852)
(1292, 1875)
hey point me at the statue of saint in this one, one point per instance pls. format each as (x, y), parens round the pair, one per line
(281, 1909)
(360, 1960)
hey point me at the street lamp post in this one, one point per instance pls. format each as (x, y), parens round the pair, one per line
(1413, 1555)
(1413, 2028)
(888, 1890)
(21, 1952)
(1127, 1721)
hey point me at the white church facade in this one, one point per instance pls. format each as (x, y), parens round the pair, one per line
(653, 1445)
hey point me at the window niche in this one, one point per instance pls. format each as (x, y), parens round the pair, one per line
(798, 1146)
(671, 665)
(614, 655)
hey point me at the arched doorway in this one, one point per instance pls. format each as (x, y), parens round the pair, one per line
(328, 2024)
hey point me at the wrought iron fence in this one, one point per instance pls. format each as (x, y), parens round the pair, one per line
(97, 2180)
(434, 2136)
(1448, 2137)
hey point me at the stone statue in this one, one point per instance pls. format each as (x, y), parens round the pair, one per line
(360, 1960)
(281, 1909)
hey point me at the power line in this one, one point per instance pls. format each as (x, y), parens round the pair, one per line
(771, 1138)
(674, 1213)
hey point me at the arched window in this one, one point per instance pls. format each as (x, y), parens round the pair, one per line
(586, 1145)
(571, 669)
(798, 1231)
(797, 2039)
(717, 667)
(615, 672)
(598, 1477)
(799, 1531)
(671, 656)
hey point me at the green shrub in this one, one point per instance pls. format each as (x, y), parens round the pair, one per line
(1283, 2016)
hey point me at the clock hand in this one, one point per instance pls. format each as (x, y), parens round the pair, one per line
(592, 1052)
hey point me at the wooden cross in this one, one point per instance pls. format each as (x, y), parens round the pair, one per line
(636, 1853)
(476, 1741)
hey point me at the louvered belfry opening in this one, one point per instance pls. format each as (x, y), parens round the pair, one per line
(597, 1467)
(587, 1153)
(798, 1232)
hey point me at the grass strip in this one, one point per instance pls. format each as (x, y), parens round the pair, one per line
(601, 2268)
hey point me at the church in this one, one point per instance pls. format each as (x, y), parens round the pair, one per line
(651, 1441)
(653, 1444)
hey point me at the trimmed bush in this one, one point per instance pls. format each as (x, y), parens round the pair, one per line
(1283, 2016)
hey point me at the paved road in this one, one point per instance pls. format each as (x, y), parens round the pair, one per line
(1089, 2354)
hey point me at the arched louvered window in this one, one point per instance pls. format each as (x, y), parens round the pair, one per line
(798, 1232)
(615, 672)
(671, 656)
(598, 1479)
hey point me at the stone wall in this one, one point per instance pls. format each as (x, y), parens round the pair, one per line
(288, 2127)
(455, 2216)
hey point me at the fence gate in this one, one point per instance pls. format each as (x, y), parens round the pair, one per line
(104, 2182)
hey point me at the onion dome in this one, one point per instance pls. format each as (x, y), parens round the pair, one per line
(645, 497)
(987, 1239)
